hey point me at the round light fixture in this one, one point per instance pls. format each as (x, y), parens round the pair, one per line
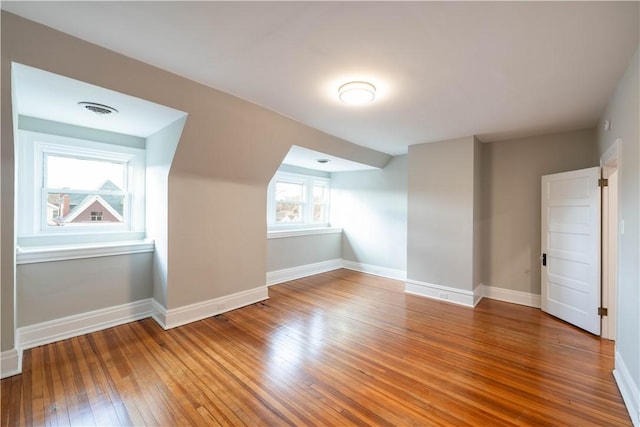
(357, 93)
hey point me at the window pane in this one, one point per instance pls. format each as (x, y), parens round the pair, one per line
(84, 174)
(319, 194)
(288, 212)
(318, 213)
(68, 209)
(289, 192)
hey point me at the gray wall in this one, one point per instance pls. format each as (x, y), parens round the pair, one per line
(441, 213)
(228, 152)
(288, 252)
(51, 290)
(478, 204)
(371, 208)
(511, 178)
(623, 110)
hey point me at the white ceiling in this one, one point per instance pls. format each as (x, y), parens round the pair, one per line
(443, 69)
(53, 97)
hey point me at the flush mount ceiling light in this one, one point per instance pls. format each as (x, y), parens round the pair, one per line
(357, 93)
(99, 109)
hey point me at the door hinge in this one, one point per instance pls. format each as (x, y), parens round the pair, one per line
(602, 311)
(603, 182)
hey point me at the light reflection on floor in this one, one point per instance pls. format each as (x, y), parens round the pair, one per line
(291, 345)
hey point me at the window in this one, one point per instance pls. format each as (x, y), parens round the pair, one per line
(320, 202)
(71, 187)
(289, 202)
(96, 215)
(296, 200)
(75, 186)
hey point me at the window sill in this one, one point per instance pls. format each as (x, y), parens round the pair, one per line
(36, 254)
(279, 234)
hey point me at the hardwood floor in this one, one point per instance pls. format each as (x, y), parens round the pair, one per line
(339, 348)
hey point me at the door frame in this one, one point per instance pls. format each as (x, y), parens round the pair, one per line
(610, 163)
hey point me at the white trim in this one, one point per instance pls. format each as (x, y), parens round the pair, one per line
(610, 249)
(478, 294)
(159, 313)
(35, 254)
(279, 234)
(611, 156)
(610, 162)
(10, 363)
(293, 273)
(390, 273)
(443, 293)
(628, 389)
(201, 310)
(509, 295)
(80, 324)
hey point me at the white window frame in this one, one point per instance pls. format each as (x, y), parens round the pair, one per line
(308, 182)
(326, 183)
(32, 227)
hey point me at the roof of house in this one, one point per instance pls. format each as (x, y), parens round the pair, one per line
(113, 203)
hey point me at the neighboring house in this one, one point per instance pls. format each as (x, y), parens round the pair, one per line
(76, 208)
(93, 208)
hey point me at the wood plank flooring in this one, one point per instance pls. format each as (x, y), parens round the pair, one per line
(340, 348)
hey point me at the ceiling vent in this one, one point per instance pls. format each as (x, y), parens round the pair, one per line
(100, 109)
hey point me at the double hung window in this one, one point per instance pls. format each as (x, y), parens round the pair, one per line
(71, 187)
(296, 200)
(82, 191)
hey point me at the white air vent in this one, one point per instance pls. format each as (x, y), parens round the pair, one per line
(99, 109)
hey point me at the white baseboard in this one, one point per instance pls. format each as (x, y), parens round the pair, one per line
(159, 313)
(10, 363)
(443, 293)
(293, 273)
(628, 389)
(508, 295)
(201, 310)
(390, 273)
(469, 298)
(84, 323)
(80, 324)
(477, 294)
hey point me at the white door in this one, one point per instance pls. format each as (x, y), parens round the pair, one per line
(571, 247)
